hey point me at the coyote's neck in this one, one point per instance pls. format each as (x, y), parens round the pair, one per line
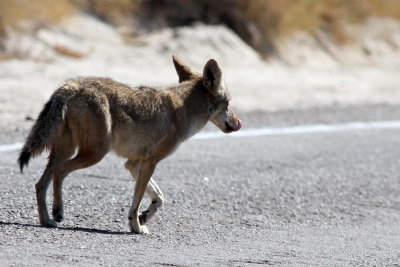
(192, 107)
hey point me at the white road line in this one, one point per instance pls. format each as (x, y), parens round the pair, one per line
(300, 129)
(303, 129)
(10, 147)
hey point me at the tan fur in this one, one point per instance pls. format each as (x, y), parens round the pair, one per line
(94, 115)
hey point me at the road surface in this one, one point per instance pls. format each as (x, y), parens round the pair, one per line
(312, 199)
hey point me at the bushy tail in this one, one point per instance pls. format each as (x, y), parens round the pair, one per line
(43, 131)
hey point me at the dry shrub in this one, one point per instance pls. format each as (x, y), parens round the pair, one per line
(174, 13)
(258, 22)
(12, 12)
(112, 11)
(382, 8)
(277, 18)
(40, 13)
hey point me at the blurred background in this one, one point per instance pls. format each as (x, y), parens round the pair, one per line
(277, 55)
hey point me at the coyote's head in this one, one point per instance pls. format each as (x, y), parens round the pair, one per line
(221, 113)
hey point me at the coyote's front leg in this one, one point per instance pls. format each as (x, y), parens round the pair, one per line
(145, 171)
(157, 199)
(152, 190)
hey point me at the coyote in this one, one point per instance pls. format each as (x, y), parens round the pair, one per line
(92, 116)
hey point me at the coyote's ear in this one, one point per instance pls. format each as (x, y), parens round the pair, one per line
(184, 71)
(212, 75)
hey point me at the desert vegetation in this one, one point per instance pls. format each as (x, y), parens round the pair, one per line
(258, 22)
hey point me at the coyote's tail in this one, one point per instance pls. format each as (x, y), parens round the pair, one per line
(43, 131)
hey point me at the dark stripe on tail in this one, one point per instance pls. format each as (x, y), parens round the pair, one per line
(23, 159)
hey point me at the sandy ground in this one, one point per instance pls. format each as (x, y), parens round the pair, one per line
(306, 75)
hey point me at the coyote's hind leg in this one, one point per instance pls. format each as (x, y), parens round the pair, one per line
(65, 148)
(41, 191)
(82, 160)
(88, 130)
(57, 156)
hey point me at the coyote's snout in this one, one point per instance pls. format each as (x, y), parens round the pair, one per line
(91, 116)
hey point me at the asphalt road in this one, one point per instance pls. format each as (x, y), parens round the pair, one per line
(318, 199)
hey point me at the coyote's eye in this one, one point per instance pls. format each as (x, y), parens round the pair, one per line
(222, 105)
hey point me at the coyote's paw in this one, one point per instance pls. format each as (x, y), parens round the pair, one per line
(49, 223)
(141, 229)
(58, 215)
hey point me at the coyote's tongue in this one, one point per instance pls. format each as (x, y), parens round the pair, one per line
(237, 128)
